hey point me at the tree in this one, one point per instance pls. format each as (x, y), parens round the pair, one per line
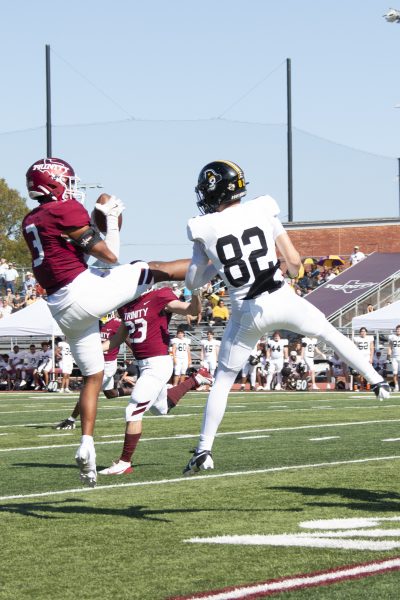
(13, 209)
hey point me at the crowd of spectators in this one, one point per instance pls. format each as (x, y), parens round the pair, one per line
(322, 270)
(17, 289)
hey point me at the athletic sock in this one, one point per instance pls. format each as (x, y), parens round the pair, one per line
(174, 394)
(130, 442)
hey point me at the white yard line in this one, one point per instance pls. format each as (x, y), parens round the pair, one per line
(253, 437)
(202, 478)
(237, 433)
(391, 440)
(60, 434)
(322, 439)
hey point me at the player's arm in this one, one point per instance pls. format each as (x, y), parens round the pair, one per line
(200, 270)
(372, 352)
(116, 339)
(389, 351)
(173, 348)
(174, 270)
(290, 254)
(88, 239)
(189, 355)
(185, 308)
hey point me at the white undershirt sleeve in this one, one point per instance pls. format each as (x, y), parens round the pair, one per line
(199, 271)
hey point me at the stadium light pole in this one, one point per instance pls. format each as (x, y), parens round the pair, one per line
(289, 138)
(49, 151)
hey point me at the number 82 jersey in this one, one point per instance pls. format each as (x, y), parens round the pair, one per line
(240, 242)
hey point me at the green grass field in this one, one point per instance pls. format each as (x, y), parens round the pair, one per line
(281, 461)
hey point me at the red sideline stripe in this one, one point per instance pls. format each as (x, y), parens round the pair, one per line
(301, 581)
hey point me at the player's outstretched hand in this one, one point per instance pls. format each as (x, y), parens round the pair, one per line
(113, 207)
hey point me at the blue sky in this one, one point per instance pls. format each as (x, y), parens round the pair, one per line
(145, 94)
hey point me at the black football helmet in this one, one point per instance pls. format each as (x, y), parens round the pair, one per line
(220, 182)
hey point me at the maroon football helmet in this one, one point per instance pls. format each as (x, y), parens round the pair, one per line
(53, 179)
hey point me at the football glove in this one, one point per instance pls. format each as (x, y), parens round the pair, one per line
(113, 208)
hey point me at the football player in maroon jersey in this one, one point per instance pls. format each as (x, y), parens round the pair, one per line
(145, 328)
(59, 235)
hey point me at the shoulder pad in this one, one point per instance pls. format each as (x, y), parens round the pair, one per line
(195, 228)
(267, 203)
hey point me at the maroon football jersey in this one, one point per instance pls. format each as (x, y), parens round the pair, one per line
(107, 330)
(55, 261)
(147, 323)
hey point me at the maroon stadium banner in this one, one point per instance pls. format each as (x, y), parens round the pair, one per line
(354, 282)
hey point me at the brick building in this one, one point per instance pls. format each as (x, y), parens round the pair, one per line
(320, 238)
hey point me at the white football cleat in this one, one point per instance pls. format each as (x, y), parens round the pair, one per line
(86, 460)
(278, 387)
(203, 377)
(118, 467)
(200, 461)
(381, 390)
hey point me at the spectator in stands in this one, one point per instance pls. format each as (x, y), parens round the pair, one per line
(220, 313)
(29, 282)
(207, 312)
(3, 268)
(32, 298)
(9, 296)
(176, 290)
(187, 294)
(370, 308)
(329, 275)
(18, 302)
(356, 256)
(11, 276)
(6, 309)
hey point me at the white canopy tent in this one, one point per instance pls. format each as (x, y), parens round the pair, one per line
(35, 319)
(385, 318)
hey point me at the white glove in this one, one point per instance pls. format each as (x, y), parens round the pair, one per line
(112, 208)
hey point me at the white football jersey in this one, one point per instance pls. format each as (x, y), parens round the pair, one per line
(309, 346)
(364, 344)
(32, 359)
(277, 348)
(394, 343)
(45, 355)
(240, 242)
(65, 350)
(210, 348)
(182, 346)
(17, 358)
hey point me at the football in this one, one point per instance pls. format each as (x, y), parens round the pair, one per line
(99, 218)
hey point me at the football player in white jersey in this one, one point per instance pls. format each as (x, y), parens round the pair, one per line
(44, 367)
(181, 356)
(393, 354)
(238, 241)
(277, 355)
(66, 363)
(209, 352)
(17, 359)
(309, 348)
(31, 362)
(365, 343)
(337, 368)
(249, 369)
